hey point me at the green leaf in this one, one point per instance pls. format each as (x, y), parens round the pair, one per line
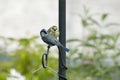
(88, 44)
(73, 40)
(106, 37)
(84, 22)
(24, 42)
(104, 16)
(92, 37)
(11, 39)
(94, 21)
(112, 24)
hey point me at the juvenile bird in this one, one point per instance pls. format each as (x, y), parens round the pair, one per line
(50, 39)
(54, 31)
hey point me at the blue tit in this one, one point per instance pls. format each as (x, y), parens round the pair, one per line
(54, 31)
(51, 40)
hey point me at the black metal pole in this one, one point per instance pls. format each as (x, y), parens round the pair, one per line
(62, 39)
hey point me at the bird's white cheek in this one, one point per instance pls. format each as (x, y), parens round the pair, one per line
(42, 34)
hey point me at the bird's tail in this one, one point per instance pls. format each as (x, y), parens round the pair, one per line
(66, 49)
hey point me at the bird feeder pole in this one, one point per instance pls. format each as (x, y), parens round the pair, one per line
(62, 39)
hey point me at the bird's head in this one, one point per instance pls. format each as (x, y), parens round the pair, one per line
(43, 31)
(54, 28)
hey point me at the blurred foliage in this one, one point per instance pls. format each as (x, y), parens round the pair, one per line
(96, 56)
(25, 58)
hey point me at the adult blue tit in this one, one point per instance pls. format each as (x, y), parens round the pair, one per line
(54, 31)
(51, 40)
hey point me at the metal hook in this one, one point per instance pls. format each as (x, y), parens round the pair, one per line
(45, 58)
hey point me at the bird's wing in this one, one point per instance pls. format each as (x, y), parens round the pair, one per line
(48, 41)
